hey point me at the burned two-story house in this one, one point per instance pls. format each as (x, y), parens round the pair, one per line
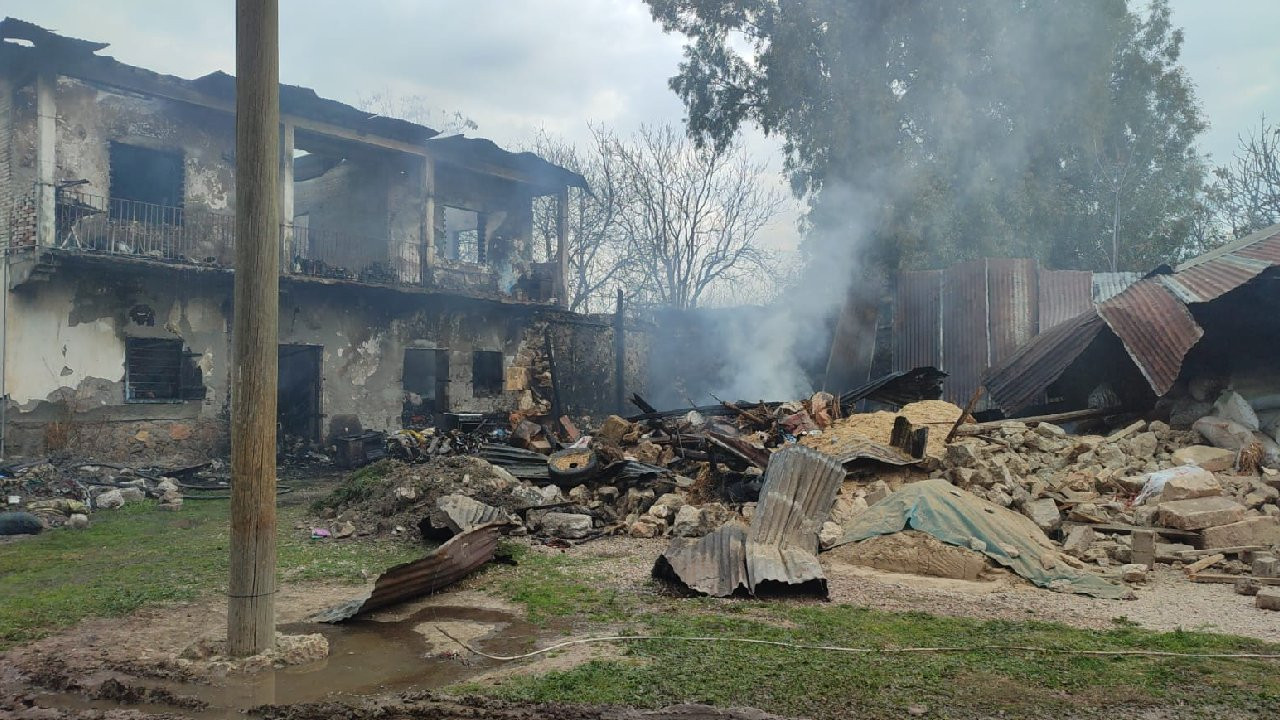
(412, 281)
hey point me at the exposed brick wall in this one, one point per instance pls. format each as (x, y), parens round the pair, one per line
(6, 159)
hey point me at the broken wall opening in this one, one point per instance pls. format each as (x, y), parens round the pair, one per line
(486, 373)
(145, 175)
(462, 239)
(426, 385)
(298, 409)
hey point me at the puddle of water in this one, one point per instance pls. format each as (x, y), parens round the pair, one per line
(366, 656)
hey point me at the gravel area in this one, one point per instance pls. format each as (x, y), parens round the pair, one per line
(1166, 602)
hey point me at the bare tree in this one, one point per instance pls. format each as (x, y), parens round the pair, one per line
(1248, 190)
(691, 215)
(598, 252)
(415, 109)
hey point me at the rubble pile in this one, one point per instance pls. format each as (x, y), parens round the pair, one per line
(66, 493)
(444, 496)
(1102, 496)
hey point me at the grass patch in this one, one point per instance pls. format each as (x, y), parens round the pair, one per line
(360, 485)
(555, 586)
(139, 555)
(968, 684)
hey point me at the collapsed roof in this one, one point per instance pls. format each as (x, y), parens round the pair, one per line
(1152, 319)
(25, 42)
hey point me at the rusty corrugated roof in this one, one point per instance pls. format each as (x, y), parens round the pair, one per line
(1021, 380)
(1156, 328)
(781, 545)
(441, 568)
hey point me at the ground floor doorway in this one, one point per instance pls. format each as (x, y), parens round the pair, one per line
(298, 394)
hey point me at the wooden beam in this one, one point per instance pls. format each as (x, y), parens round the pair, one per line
(974, 429)
(1227, 579)
(252, 587)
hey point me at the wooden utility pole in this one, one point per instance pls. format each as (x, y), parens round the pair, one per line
(251, 604)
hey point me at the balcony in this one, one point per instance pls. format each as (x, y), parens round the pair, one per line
(95, 224)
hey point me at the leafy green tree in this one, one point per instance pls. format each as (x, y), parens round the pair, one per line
(1061, 130)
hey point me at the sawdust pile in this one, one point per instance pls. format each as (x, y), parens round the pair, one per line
(938, 415)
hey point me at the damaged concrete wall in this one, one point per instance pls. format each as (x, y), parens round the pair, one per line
(67, 384)
(346, 211)
(90, 118)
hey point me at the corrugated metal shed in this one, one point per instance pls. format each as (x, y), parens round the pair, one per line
(1151, 318)
(977, 314)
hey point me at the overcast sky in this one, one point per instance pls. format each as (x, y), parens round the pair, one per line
(515, 66)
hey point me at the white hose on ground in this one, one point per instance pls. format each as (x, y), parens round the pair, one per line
(863, 651)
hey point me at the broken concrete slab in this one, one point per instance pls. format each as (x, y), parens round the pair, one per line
(1249, 531)
(1199, 513)
(1205, 456)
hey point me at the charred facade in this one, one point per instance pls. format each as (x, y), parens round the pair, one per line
(412, 283)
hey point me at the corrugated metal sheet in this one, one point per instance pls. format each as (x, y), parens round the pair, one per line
(781, 545)
(1013, 306)
(897, 388)
(1210, 280)
(965, 326)
(1109, 285)
(1023, 377)
(441, 568)
(917, 337)
(1156, 328)
(1064, 294)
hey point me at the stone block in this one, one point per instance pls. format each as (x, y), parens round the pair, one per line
(570, 526)
(1078, 540)
(1044, 513)
(1199, 513)
(1249, 531)
(1267, 566)
(1268, 598)
(1206, 457)
(1188, 483)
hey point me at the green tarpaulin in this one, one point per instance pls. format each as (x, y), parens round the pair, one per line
(958, 517)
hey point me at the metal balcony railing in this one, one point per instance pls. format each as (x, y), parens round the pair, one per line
(343, 256)
(129, 227)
